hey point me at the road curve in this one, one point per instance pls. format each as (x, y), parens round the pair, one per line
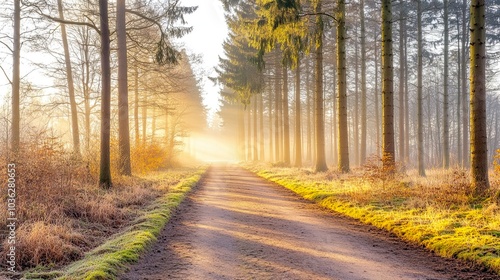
(239, 226)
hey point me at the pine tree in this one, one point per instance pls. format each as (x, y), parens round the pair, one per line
(387, 88)
(478, 134)
(105, 166)
(343, 144)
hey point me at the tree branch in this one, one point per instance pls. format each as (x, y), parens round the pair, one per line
(146, 18)
(318, 14)
(6, 76)
(63, 21)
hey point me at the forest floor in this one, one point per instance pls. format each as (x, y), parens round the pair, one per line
(64, 216)
(236, 225)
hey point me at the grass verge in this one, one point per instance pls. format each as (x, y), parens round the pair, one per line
(436, 212)
(111, 258)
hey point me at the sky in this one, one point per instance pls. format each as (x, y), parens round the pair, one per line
(209, 32)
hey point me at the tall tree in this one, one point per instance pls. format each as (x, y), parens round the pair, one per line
(298, 112)
(343, 143)
(318, 93)
(123, 114)
(16, 79)
(478, 134)
(446, 127)
(255, 125)
(407, 99)
(401, 82)
(387, 87)
(277, 112)
(363, 82)
(261, 127)
(309, 147)
(286, 121)
(238, 72)
(420, 129)
(355, 123)
(105, 168)
(136, 104)
(69, 79)
(463, 74)
(241, 132)
(459, 93)
(377, 116)
(270, 108)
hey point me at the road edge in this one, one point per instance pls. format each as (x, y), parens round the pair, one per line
(327, 202)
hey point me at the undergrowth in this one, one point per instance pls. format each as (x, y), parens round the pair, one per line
(437, 211)
(61, 211)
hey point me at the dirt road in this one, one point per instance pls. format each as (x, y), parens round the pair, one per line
(238, 226)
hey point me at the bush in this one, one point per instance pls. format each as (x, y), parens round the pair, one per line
(60, 208)
(46, 244)
(496, 163)
(148, 157)
(144, 158)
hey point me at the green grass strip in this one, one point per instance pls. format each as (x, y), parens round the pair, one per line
(470, 234)
(110, 259)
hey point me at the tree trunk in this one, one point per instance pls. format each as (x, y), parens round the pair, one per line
(407, 99)
(16, 80)
(286, 121)
(105, 168)
(308, 106)
(446, 128)
(241, 132)
(144, 116)
(87, 122)
(420, 132)
(459, 97)
(387, 88)
(153, 124)
(334, 104)
(71, 88)
(465, 121)
(261, 127)
(478, 134)
(255, 136)
(277, 90)
(377, 116)
(271, 150)
(430, 136)
(86, 86)
(439, 158)
(167, 136)
(363, 84)
(123, 119)
(355, 128)
(298, 112)
(401, 83)
(343, 136)
(249, 133)
(320, 165)
(136, 105)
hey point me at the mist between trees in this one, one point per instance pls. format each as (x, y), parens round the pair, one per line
(93, 76)
(314, 82)
(407, 84)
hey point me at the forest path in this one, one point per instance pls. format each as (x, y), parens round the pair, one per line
(239, 226)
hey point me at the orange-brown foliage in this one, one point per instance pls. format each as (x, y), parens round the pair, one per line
(60, 208)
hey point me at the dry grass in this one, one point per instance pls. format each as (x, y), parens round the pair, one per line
(62, 213)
